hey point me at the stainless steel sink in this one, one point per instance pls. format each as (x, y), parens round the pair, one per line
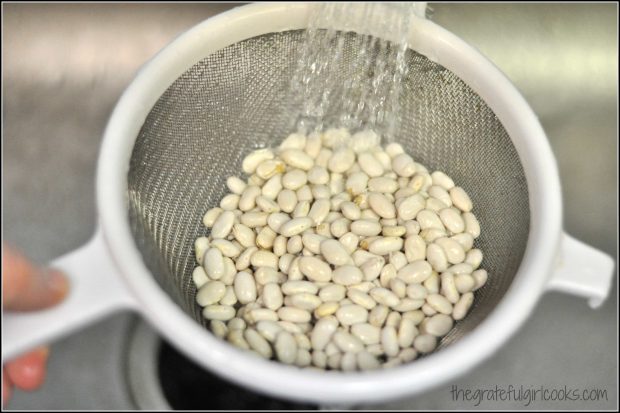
(65, 66)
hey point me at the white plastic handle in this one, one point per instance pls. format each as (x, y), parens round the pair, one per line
(96, 290)
(583, 271)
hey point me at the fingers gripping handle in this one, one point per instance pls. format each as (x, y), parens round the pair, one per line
(96, 290)
(583, 271)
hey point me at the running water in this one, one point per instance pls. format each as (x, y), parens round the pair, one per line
(369, 97)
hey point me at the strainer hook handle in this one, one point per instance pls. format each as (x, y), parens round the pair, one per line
(96, 291)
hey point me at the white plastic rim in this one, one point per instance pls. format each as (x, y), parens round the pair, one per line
(329, 387)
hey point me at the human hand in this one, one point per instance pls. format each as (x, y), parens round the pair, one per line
(26, 288)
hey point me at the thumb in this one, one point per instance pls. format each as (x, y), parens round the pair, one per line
(27, 287)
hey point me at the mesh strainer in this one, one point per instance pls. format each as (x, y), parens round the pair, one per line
(218, 92)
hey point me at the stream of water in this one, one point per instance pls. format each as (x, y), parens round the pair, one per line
(351, 80)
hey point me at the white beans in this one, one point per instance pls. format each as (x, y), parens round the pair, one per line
(471, 224)
(199, 277)
(403, 165)
(381, 205)
(370, 165)
(351, 314)
(462, 306)
(347, 342)
(453, 250)
(438, 325)
(460, 199)
(210, 293)
(286, 347)
(295, 226)
(297, 159)
(366, 227)
(416, 272)
(315, 269)
(336, 253)
(385, 245)
(415, 248)
(389, 341)
(218, 312)
(452, 220)
(425, 343)
(214, 263)
(251, 162)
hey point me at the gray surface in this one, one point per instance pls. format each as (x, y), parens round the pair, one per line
(65, 66)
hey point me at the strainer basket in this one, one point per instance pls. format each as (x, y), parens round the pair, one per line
(220, 91)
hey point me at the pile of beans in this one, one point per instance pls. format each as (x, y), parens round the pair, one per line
(337, 253)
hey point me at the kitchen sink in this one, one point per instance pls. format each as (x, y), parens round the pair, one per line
(65, 66)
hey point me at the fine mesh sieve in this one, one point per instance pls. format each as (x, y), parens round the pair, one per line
(235, 100)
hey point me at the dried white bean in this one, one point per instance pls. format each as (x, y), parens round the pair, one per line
(315, 269)
(294, 315)
(443, 180)
(210, 216)
(473, 258)
(305, 301)
(272, 296)
(295, 226)
(248, 198)
(453, 250)
(199, 277)
(332, 292)
(356, 183)
(298, 287)
(214, 263)
(472, 226)
(407, 332)
(265, 238)
(415, 248)
(452, 220)
(448, 287)
(297, 159)
(389, 341)
(370, 165)
(325, 309)
(429, 219)
(244, 235)
(335, 253)
(464, 283)
(294, 179)
(257, 343)
(438, 325)
(480, 276)
(403, 165)
(219, 328)
(268, 168)
(465, 240)
(286, 347)
(436, 257)
(425, 343)
(460, 199)
(254, 219)
(385, 245)
(462, 306)
(347, 343)
(210, 293)
(345, 275)
(416, 272)
(263, 258)
(439, 303)
(381, 205)
(218, 312)
(294, 141)
(351, 314)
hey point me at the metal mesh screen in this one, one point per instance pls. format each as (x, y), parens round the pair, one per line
(233, 101)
